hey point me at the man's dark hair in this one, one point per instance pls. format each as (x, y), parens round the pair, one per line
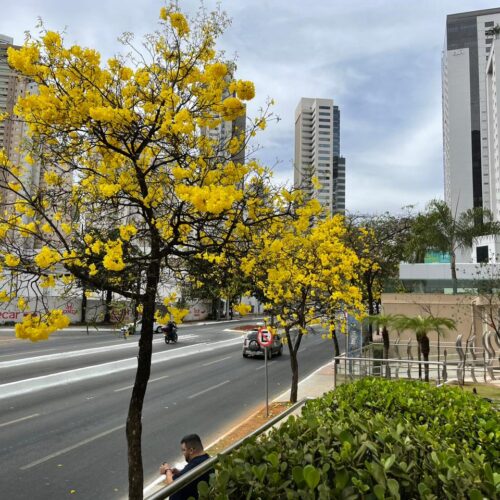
(192, 441)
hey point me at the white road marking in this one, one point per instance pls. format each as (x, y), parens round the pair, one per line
(130, 386)
(287, 392)
(70, 448)
(216, 361)
(19, 419)
(94, 371)
(17, 353)
(83, 352)
(263, 366)
(209, 389)
(124, 388)
(159, 378)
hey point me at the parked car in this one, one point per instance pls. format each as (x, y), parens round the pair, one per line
(252, 348)
(129, 327)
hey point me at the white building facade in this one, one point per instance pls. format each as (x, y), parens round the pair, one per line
(317, 152)
(466, 152)
(492, 95)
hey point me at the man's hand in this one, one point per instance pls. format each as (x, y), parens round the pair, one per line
(164, 467)
(168, 472)
(170, 477)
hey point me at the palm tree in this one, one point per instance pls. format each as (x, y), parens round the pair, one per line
(384, 322)
(422, 326)
(441, 230)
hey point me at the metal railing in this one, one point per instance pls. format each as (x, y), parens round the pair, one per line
(194, 474)
(351, 367)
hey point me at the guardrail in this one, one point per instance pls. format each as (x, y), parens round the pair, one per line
(389, 368)
(194, 474)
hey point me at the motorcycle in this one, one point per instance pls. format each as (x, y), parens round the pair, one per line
(127, 330)
(170, 332)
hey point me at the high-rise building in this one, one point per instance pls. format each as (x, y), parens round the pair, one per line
(12, 131)
(492, 105)
(317, 152)
(7, 85)
(466, 152)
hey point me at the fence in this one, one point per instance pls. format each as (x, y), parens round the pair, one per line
(477, 361)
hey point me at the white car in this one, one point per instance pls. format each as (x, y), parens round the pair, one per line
(157, 328)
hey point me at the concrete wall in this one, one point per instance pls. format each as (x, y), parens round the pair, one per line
(460, 308)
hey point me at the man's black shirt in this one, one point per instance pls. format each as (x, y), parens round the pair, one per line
(191, 490)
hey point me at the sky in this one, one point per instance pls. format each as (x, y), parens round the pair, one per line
(379, 60)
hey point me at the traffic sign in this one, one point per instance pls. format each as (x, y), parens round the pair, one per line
(264, 337)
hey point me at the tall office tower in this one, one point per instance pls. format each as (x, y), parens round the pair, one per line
(492, 102)
(465, 124)
(7, 85)
(13, 132)
(226, 130)
(317, 152)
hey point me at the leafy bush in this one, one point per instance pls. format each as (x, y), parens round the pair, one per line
(372, 439)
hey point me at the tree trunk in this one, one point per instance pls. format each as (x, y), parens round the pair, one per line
(336, 346)
(107, 313)
(425, 353)
(134, 418)
(419, 352)
(453, 265)
(385, 340)
(83, 318)
(294, 364)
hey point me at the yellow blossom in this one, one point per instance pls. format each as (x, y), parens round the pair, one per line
(245, 90)
(126, 232)
(11, 260)
(47, 257)
(243, 309)
(113, 259)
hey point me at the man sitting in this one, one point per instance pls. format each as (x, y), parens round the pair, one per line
(193, 452)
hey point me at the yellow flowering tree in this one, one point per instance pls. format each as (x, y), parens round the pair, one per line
(215, 277)
(138, 172)
(301, 267)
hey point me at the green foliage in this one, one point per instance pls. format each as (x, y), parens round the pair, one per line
(372, 439)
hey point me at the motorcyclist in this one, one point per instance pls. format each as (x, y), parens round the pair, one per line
(169, 330)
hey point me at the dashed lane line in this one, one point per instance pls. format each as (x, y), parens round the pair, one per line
(70, 448)
(209, 389)
(20, 419)
(149, 382)
(216, 361)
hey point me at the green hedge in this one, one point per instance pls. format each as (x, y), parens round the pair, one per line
(372, 439)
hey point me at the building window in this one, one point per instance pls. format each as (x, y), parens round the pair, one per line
(482, 254)
(489, 23)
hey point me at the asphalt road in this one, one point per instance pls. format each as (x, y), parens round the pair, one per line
(66, 436)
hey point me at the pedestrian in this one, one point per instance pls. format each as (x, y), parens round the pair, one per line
(193, 452)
